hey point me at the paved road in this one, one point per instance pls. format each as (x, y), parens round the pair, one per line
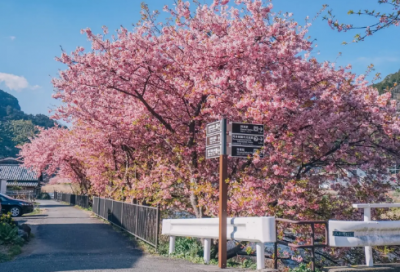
(69, 239)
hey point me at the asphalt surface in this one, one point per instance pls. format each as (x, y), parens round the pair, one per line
(69, 239)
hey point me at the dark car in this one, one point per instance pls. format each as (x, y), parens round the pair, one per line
(16, 207)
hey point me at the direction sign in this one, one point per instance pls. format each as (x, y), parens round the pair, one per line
(246, 140)
(243, 128)
(213, 128)
(213, 152)
(243, 151)
(213, 140)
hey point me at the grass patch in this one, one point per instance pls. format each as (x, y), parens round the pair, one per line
(35, 211)
(191, 249)
(84, 209)
(8, 252)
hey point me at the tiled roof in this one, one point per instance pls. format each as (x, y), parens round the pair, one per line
(15, 172)
(22, 183)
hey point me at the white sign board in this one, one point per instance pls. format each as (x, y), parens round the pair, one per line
(252, 229)
(363, 233)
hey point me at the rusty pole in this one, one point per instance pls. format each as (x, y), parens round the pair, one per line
(223, 198)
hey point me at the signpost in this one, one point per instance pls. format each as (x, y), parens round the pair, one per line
(213, 152)
(243, 128)
(243, 151)
(244, 141)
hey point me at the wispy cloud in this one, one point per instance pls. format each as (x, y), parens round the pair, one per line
(12, 38)
(16, 83)
(378, 60)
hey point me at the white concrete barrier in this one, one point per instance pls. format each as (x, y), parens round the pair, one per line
(252, 229)
(363, 233)
(368, 233)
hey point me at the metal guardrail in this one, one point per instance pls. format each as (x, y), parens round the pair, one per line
(140, 221)
(311, 246)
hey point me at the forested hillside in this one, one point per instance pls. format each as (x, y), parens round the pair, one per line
(16, 126)
(388, 82)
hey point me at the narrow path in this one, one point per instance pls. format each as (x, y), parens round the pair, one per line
(69, 239)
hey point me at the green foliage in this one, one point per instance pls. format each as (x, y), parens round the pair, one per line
(44, 196)
(7, 219)
(15, 250)
(4, 257)
(9, 235)
(302, 268)
(9, 231)
(16, 127)
(188, 247)
(389, 82)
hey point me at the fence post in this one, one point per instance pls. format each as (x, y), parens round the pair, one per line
(122, 213)
(312, 249)
(171, 244)
(112, 209)
(207, 250)
(98, 206)
(368, 249)
(136, 218)
(260, 256)
(157, 224)
(104, 209)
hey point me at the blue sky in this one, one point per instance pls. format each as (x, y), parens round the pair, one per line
(31, 33)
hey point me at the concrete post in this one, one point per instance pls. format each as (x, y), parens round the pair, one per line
(3, 186)
(171, 244)
(207, 250)
(260, 255)
(368, 249)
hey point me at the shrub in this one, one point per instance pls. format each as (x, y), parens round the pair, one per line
(188, 247)
(9, 233)
(14, 250)
(44, 196)
(6, 218)
(302, 268)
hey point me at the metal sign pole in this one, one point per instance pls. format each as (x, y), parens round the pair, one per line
(223, 198)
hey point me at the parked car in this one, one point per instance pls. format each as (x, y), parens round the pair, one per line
(16, 207)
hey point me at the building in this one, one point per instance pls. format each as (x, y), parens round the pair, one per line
(17, 180)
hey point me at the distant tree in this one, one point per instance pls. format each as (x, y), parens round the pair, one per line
(388, 83)
(22, 130)
(382, 20)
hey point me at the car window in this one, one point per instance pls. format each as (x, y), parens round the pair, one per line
(3, 199)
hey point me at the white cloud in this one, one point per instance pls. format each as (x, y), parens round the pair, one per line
(16, 83)
(12, 38)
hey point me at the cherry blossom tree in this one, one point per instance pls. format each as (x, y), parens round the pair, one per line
(381, 18)
(139, 103)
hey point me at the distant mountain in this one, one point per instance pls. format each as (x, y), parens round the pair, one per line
(388, 82)
(16, 126)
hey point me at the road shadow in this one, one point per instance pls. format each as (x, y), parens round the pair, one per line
(67, 247)
(54, 206)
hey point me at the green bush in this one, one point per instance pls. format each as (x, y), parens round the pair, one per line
(44, 196)
(9, 232)
(302, 268)
(188, 247)
(14, 250)
(7, 219)
(4, 257)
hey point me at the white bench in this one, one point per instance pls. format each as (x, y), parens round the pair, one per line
(252, 229)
